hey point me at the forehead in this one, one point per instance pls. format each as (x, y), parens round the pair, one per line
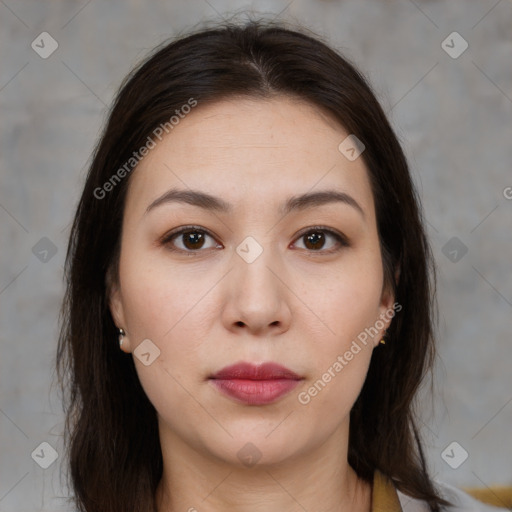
(250, 150)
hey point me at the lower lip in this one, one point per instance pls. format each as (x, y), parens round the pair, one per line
(255, 392)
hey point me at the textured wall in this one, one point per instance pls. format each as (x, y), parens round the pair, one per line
(453, 113)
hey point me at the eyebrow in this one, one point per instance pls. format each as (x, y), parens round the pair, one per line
(216, 204)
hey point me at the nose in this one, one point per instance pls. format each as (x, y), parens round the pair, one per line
(257, 298)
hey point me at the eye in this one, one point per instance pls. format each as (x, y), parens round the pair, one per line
(191, 239)
(315, 239)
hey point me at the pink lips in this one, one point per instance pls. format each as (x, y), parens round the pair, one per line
(255, 384)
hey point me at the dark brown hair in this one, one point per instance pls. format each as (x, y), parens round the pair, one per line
(111, 427)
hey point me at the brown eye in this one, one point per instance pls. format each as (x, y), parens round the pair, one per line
(316, 239)
(193, 239)
(189, 240)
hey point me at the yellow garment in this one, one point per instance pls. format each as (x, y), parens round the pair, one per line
(496, 496)
(384, 496)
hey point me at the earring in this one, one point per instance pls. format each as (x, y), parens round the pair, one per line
(121, 334)
(383, 341)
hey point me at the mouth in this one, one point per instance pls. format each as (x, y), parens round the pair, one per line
(255, 384)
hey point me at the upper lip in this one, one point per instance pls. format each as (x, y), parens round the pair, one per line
(250, 371)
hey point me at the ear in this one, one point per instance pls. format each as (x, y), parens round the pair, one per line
(387, 299)
(115, 303)
(388, 306)
(397, 274)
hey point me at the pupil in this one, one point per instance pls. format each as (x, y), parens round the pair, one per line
(194, 239)
(315, 238)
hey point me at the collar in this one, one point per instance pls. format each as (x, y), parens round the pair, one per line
(384, 495)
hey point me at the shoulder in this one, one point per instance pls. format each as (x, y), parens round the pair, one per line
(462, 501)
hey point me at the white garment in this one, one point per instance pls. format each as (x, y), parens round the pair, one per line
(462, 501)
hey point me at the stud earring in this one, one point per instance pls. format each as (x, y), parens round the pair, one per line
(383, 341)
(121, 334)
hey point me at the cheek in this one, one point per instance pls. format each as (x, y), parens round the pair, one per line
(163, 305)
(348, 305)
(342, 356)
(349, 299)
(173, 309)
(327, 401)
(172, 397)
(159, 298)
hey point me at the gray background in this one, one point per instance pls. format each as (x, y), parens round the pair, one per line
(453, 116)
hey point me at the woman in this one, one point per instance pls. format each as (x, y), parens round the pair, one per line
(248, 312)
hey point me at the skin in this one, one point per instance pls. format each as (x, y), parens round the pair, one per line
(293, 305)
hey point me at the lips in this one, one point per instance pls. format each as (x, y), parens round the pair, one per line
(248, 371)
(255, 384)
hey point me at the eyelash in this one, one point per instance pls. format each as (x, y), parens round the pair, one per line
(341, 239)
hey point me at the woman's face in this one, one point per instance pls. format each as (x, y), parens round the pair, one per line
(265, 280)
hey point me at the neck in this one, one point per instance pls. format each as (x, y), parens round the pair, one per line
(320, 478)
